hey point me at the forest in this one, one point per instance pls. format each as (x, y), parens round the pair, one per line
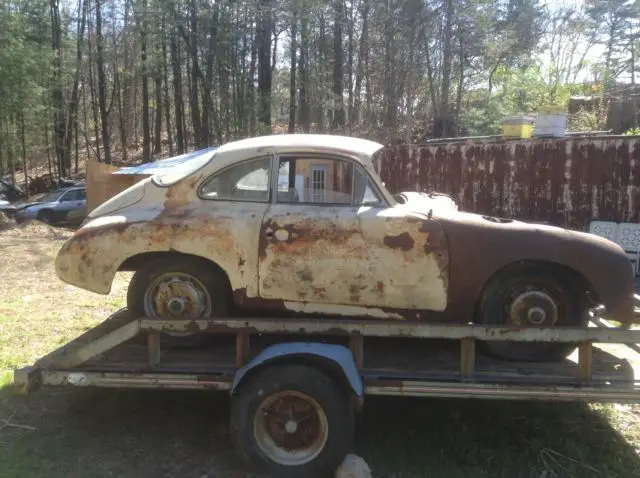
(123, 81)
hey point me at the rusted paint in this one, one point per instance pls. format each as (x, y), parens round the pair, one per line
(421, 259)
(334, 257)
(566, 182)
(402, 241)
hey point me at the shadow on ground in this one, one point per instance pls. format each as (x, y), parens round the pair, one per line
(104, 433)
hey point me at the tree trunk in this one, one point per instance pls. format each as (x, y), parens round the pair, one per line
(177, 95)
(57, 98)
(338, 60)
(167, 106)
(72, 117)
(102, 86)
(263, 37)
(146, 133)
(362, 48)
(193, 96)
(251, 89)
(303, 90)
(350, 28)
(24, 155)
(292, 77)
(94, 110)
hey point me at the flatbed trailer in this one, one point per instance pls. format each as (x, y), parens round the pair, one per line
(297, 383)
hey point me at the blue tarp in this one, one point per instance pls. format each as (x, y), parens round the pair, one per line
(162, 165)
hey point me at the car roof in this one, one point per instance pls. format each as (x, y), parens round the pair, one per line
(290, 142)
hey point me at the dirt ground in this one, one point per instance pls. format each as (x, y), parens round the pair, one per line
(108, 433)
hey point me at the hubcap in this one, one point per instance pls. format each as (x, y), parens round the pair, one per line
(534, 308)
(177, 295)
(290, 428)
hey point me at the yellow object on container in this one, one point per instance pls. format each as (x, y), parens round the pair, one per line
(517, 126)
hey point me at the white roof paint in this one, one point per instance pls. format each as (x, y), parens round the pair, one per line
(289, 142)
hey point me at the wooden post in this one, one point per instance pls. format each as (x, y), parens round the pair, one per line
(153, 348)
(242, 348)
(467, 357)
(356, 343)
(585, 360)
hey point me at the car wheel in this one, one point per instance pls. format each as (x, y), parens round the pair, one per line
(179, 288)
(533, 296)
(292, 421)
(45, 216)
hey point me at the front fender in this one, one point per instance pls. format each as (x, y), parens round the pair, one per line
(336, 355)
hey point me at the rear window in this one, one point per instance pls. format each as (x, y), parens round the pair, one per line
(182, 170)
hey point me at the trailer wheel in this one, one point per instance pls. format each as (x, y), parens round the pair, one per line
(180, 288)
(532, 296)
(292, 421)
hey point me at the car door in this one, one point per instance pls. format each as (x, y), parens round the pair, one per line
(324, 246)
(69, 202)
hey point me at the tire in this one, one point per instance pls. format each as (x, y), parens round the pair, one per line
(45, 216)
(536, 282)
(332, 408)
(207, 279)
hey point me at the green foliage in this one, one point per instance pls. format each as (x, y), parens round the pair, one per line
(632, 132)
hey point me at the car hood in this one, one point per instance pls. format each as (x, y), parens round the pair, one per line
(25, 205)
(425, 202)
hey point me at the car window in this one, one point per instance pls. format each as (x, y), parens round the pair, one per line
(248, 181)
(364, 194)
(73, 195)
(315, 180)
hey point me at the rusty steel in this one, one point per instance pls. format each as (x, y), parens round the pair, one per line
(420, 258)
(376, 328)
(566, 182)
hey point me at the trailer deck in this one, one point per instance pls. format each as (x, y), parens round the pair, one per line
(392, 358)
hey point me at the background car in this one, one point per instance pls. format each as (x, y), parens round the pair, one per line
(7, 208)
(67, 205)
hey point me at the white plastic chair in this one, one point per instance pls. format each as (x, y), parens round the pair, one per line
(629, 240)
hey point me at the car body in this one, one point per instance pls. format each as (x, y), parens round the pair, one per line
(303, 223)
(7, 208)
(65, 205)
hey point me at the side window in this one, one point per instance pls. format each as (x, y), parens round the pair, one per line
(364, 194)
(247, 181)
(69, 196)
(316, 180)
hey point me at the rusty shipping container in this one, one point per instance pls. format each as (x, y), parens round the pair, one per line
(567, 182)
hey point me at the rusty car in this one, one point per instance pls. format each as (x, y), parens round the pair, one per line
(302, 224)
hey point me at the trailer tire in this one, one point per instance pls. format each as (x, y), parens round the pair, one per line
(546, 289)
(311, 444)
(200, 280)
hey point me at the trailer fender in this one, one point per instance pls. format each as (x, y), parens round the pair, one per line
(338, 357)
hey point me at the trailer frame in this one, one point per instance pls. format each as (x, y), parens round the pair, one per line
(66, 366)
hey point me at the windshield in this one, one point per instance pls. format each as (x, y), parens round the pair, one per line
(181, 170)
(376, 160)
(51, 197)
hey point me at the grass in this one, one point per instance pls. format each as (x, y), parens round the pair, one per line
(126, 433)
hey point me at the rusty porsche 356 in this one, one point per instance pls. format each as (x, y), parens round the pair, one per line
(303, 224)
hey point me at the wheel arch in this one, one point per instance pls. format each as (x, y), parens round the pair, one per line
(336, 361)
(569, 273)
(136, 261)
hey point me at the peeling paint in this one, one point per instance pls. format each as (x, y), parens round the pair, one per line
(417, 257)
(566, 182)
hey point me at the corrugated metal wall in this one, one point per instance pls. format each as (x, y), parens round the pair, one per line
(567, 182)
